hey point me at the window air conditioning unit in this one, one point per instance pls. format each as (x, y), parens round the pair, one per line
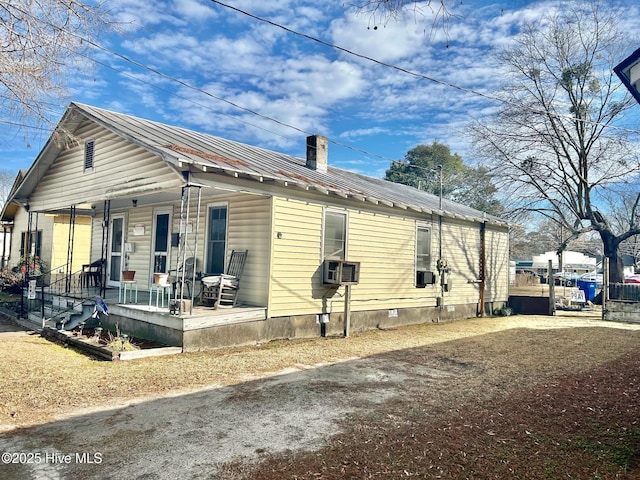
(341, 272)
(424, 278)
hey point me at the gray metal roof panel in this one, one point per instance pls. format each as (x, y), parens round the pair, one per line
(216, 153)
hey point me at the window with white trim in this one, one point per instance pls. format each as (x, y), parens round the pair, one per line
(335, 235)
(423, 247)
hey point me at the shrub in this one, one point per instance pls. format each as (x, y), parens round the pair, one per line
(11, 279)
(31, 264)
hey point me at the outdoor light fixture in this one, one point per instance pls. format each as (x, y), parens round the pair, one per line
(629, 72)
(134, 202)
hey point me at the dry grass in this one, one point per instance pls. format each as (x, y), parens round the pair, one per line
(42, 380)
(580, 426)
(531, 397)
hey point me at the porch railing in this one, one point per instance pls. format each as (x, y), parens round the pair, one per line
(54, 294)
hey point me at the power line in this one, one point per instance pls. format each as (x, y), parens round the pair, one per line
(191, 87)
(23, 125)
(415, 74)
(173, 94)
(268, 118)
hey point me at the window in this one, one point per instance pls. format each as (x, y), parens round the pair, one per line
(335, 235)
(30, 244)
(88, 155)
(423, 248)
(216, 239)
(161, 241)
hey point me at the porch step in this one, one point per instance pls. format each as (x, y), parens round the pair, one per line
(75, 317)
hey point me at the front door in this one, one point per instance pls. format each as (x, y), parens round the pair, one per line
(161, 237)
(116, 250)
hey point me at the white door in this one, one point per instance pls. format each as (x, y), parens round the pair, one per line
(116, 250)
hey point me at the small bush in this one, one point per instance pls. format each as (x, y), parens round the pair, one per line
(11, 280)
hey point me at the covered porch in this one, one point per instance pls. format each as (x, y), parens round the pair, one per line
(141, 315)
(168, 232)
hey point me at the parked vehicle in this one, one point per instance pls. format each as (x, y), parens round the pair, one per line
(632, 279)
(531, 273)
(593, 277)
(568, 279)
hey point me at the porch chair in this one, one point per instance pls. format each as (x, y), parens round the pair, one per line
(180, 281)
(91, 275)
(223, 289)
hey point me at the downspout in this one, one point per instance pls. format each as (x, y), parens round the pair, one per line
(483, 270)
(441, 265)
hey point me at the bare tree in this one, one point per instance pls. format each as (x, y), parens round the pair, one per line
(39, 42)
(382, 11)
(6, 182)
(554, 143)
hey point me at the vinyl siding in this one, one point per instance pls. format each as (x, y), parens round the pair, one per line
(461, 249)
(140, 259)
(384, 244)
(296, 277)
(385, 247)
(497, 241)
(120, 169)
(81, 242)
(248, 227)
(96, 238)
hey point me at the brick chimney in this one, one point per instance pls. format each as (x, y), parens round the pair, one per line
(317, 153)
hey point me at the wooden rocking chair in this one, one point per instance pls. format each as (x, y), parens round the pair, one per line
(223, 289)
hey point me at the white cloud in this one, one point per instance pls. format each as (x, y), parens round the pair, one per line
(136, 14)
(362, 132)
(397, 40)
(194, 10)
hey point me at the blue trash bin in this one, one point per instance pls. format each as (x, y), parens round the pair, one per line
(589, 289)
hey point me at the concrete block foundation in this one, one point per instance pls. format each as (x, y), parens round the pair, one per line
(622, 311)
(310, 326)
(180, 332)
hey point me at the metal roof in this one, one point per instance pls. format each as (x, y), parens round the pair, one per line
(210, 153)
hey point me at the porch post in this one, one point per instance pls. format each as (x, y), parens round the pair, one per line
(68, 270)
(106, 216)
(195, 251)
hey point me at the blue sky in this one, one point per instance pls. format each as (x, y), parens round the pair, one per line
(371, 113)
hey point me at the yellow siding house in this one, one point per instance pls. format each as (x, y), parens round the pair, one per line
(328, 249)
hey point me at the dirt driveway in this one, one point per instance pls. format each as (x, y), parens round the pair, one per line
(223, 431)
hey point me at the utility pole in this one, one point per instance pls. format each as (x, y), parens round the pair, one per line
(440, 171)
